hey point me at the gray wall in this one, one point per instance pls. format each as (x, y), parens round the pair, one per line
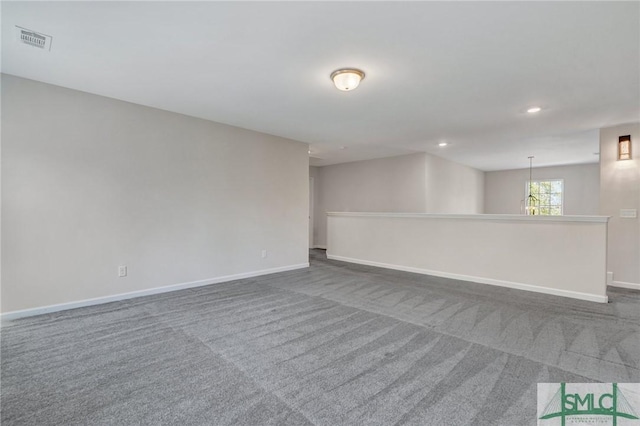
(452, 188)
(505, 189)
(314, 176)
(620, 189)
(90, 183)
(415, 183)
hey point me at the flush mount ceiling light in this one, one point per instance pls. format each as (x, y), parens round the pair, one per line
(533, 110)
(347, 79)
(442, 144)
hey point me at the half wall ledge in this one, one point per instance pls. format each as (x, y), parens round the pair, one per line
(558, 255)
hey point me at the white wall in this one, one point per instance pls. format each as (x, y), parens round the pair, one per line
(620, 189)
(394, 184)
(504, 190)
(490, 249)
(314, 172)
(452, 187)
(90, 183)
(416, 183)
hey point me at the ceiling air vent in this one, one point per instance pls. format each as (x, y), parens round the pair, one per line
(33, 38)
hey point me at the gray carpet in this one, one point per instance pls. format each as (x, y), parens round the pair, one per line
(337, 344)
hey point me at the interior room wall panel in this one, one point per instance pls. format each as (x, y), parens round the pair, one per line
(91, 183)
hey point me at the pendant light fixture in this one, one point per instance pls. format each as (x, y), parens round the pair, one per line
(347, 79)
(532, 201)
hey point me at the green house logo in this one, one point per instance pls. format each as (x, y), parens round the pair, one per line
(589, 406)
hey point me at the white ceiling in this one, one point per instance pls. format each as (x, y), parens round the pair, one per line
(464, 72)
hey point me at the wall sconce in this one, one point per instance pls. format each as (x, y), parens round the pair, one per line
(624, 147)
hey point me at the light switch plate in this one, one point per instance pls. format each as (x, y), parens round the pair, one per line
(628, 213)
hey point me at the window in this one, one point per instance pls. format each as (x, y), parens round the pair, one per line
(549, 195)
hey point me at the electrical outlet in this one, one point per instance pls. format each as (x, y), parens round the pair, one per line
(122, 271)
(264, 253)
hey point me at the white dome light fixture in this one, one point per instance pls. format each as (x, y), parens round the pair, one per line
(347, 79)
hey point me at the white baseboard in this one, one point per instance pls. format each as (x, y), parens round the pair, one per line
(8, 316)
(622, 284)
(481, 280)
(318, 246)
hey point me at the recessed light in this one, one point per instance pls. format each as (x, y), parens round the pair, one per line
(534, 110)
(309, 151)
(442, 144)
